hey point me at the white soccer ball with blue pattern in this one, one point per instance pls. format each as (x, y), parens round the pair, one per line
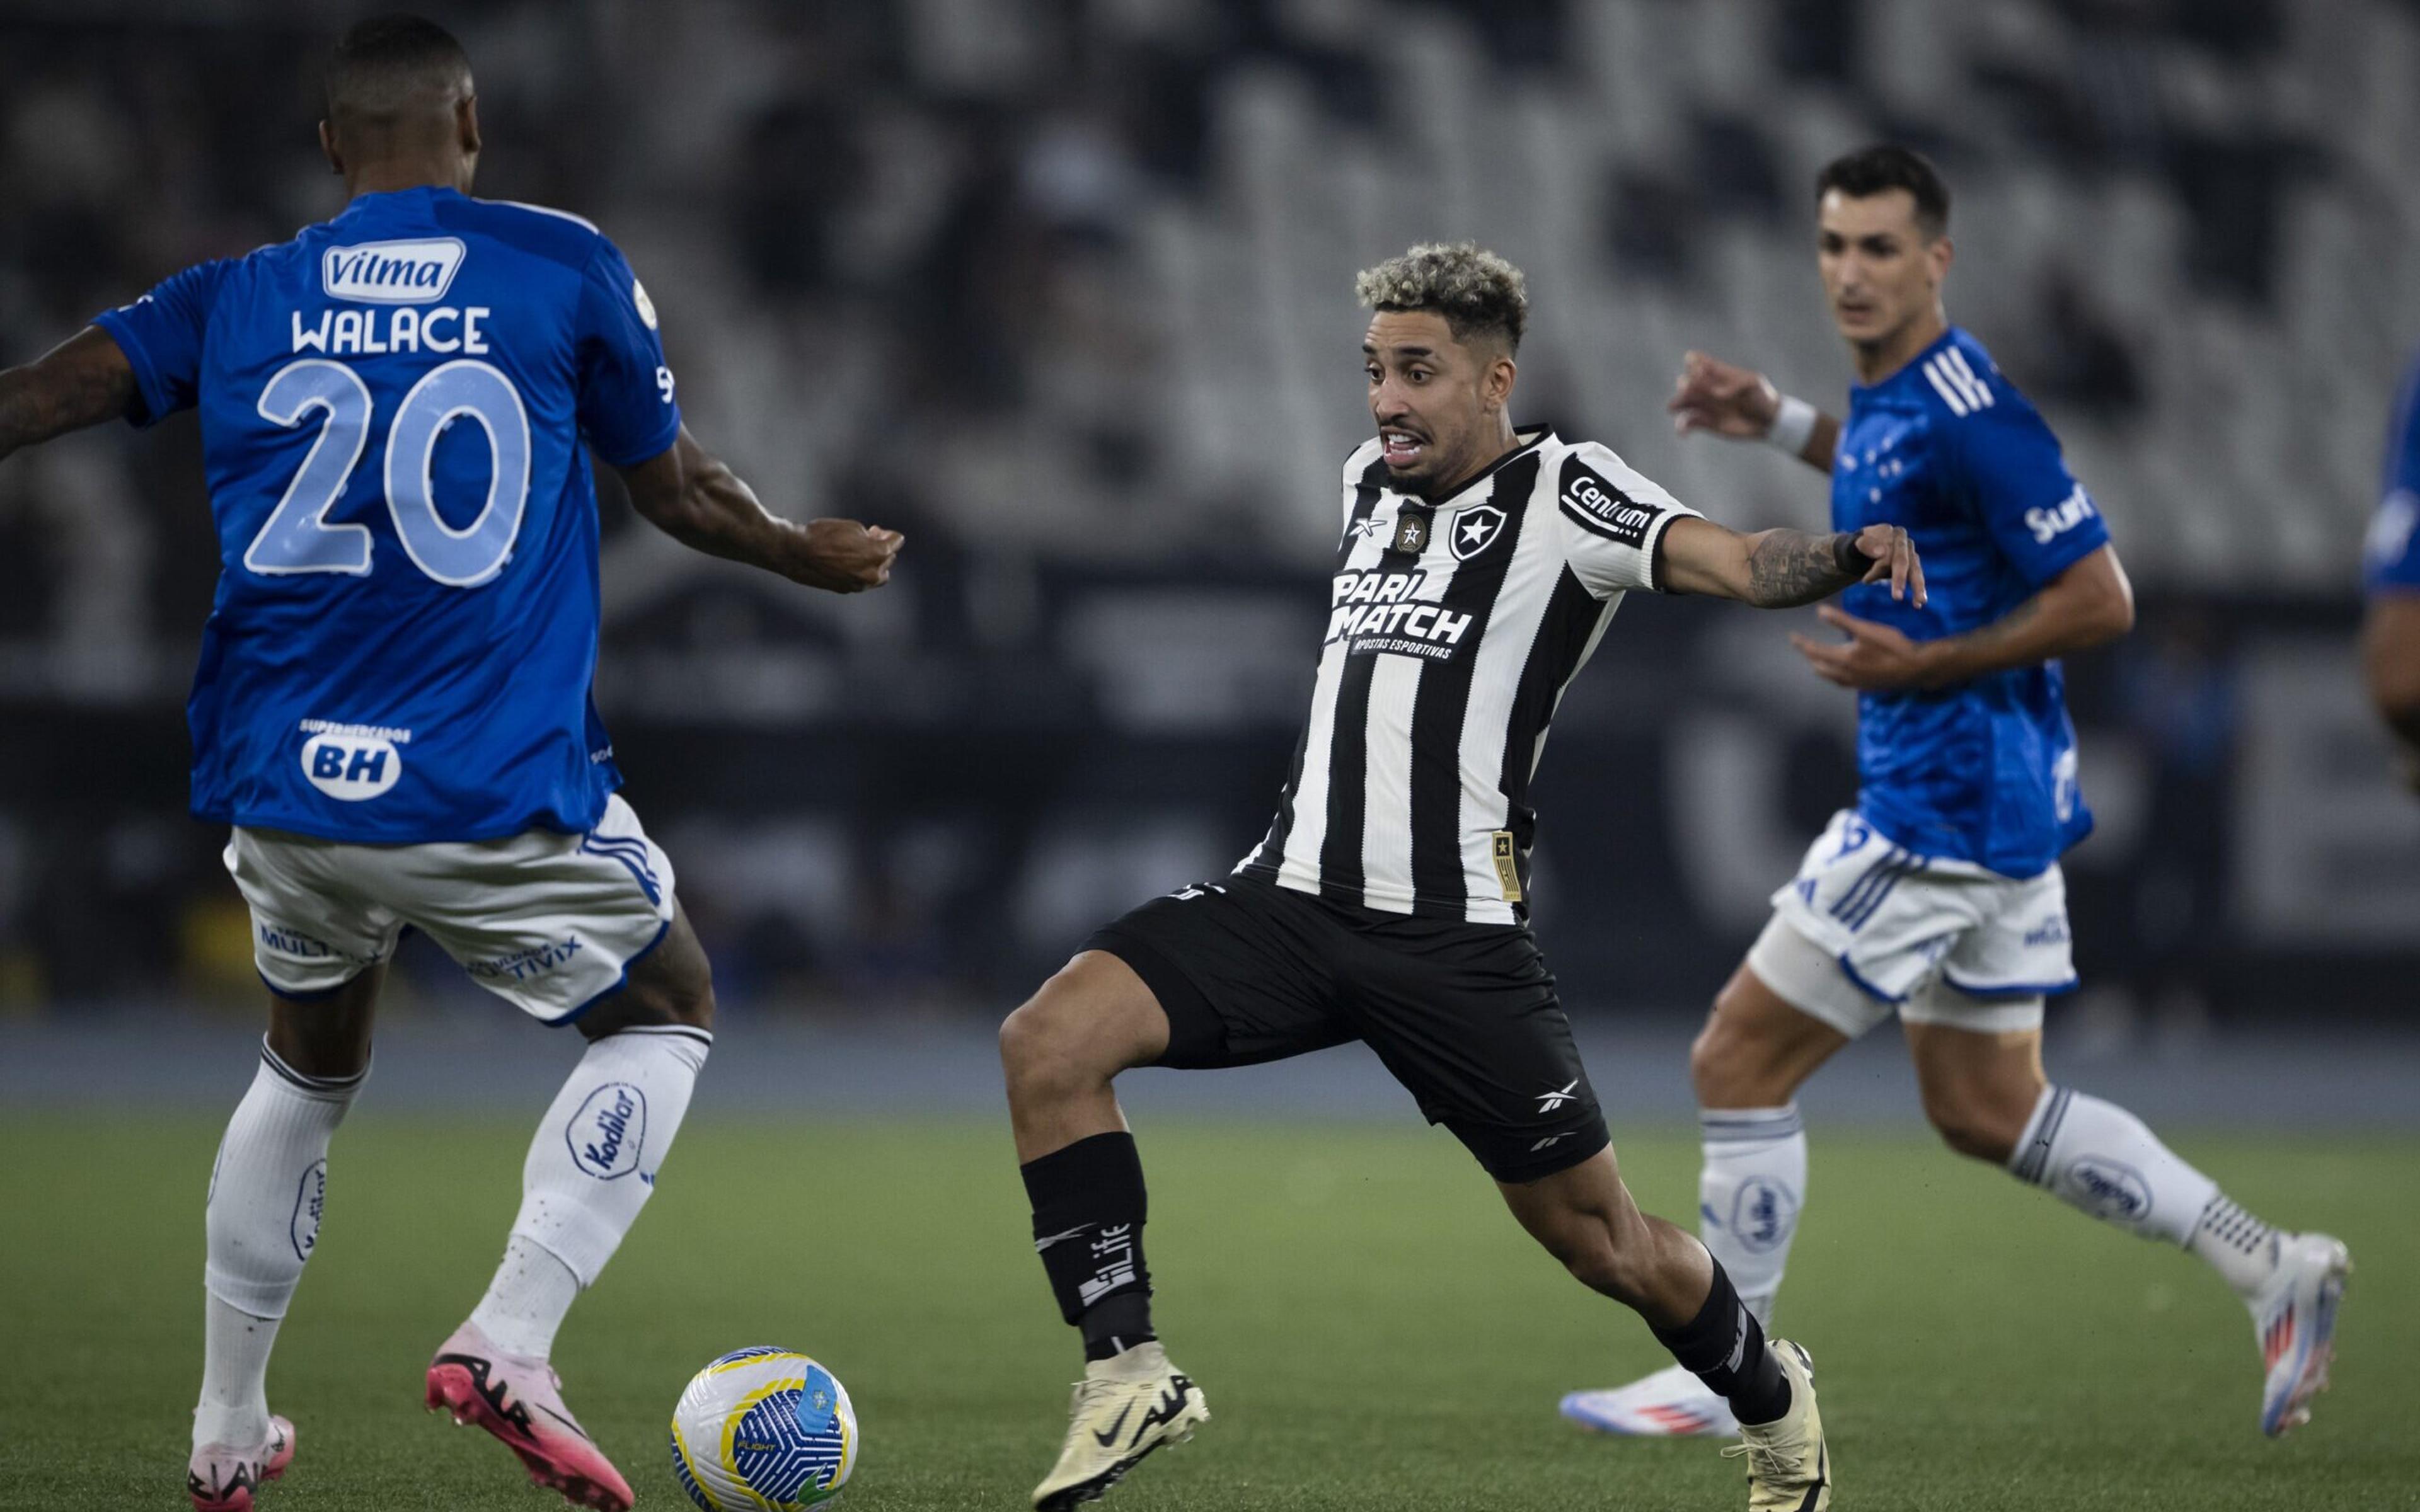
(764, 1428)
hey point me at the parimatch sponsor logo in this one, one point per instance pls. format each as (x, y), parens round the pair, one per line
(1374, 611)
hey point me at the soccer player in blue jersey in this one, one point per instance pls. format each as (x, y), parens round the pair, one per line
(392, 712)
(2390, 640)
(1938, 896)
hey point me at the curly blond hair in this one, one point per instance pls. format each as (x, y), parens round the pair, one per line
(1473, 289)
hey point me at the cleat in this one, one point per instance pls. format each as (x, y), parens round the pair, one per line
(1124, 1408)
(2294, 1318)
(519, 1401)
(1789, 1465)
(1669, 1404)
(222, 1478)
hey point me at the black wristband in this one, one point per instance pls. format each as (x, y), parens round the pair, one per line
(1846, 556)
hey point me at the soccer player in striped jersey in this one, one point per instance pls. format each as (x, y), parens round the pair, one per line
(392, 709)
(1478, 564)
(2391, 573)
(1938, 896)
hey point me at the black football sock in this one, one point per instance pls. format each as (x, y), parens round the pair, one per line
(1088, 1206)
(1724, 1347)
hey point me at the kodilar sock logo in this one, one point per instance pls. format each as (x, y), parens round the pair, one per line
(608, 1131)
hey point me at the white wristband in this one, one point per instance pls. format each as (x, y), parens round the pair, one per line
(1794, 426)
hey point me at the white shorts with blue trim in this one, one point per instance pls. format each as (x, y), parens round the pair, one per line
(1934, 940)
(550, 922)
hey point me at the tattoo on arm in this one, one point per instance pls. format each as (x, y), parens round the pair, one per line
(80, 382)
(1787, 568)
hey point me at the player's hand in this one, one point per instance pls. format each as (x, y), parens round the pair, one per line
(847, 557)
(1893, 551)
(1711, 394)
(1875, 658)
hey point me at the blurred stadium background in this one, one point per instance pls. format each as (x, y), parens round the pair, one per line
(1061, 287)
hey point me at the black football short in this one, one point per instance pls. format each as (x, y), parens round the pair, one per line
(1464, 1015)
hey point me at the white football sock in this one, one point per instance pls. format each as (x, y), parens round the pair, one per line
(588, 1174)
(526, 1302)
(262, 1222)
(2101, 1158)
(1749, 1189)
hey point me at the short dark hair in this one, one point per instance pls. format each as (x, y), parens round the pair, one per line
(1885, 166)
(1476, 291)
(382, 61)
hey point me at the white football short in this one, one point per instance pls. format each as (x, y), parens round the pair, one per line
(550, 922)
(1870, 928)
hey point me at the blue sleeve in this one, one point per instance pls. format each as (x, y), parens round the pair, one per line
(626, 390)
(2391, 556)
(161, 335)
(2037, 515)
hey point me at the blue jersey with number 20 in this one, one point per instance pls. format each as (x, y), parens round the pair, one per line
(392, 409)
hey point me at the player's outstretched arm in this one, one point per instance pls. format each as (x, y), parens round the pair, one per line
(2389, 655)
(1741, 404)
(1783, 569)
(2089, 603)
(693, 497)
(82, 382)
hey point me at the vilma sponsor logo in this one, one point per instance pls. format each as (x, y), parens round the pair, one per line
(392, 273)
(608, 1133)
(2108, 1188)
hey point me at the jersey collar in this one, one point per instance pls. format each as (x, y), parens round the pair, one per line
(1948, 338)
(1529, 438)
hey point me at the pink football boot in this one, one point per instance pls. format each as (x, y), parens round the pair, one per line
(520, 1401)
(222, 1478)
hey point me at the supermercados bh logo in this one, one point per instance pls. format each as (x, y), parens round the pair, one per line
(352, 761)
(392, 273)
(606, 1133)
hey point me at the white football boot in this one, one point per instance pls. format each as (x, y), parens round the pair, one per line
(1789, 1464)
(1126, 1407)
(2294, 1318)
(1670, 1404)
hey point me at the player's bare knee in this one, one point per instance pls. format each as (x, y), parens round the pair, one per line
(1970, 1123)
(1733, 1066)
(1046, 1050)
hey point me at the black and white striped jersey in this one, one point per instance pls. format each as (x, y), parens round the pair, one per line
(1454, 625)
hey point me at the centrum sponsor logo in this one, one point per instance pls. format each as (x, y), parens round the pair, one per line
(392, 273)
(1607, 509)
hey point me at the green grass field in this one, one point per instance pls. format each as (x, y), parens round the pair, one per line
(1371, 1329)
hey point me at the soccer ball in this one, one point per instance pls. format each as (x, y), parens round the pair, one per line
(763, 1427)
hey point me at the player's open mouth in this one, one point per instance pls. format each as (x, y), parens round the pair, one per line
(1400, 447)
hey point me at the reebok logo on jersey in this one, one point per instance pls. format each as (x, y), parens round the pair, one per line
(1568, 1092)
(1598, 506)
(392, 273)
(2069, 511)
